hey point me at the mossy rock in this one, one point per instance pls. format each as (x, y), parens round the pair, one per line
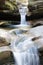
(11, 6)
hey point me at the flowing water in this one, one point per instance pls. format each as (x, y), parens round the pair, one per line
(23, 12)
(25, 52)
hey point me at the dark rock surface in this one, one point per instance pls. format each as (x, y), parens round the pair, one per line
(41, 56)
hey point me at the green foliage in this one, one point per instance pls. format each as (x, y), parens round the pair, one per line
(9, 5)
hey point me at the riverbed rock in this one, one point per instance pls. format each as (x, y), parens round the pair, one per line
(4, 55)
(4, 38)
(6, 58)
(5, 52)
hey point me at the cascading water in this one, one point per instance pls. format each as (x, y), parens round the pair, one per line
(23, 12)
(25, 52)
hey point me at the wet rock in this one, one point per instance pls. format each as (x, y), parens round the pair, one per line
(6, 58)
(4, 55)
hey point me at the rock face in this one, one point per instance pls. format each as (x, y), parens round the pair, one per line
(8, 5)
(24, 2)
(6, 58)
(36, 23)
(3, 42)
(36, 6)
(5, 53)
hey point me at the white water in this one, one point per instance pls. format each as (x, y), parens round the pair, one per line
(23, 20)
(23, 12)
(25, 52)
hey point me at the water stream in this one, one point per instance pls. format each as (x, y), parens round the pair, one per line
(23, 13)
(25, 52)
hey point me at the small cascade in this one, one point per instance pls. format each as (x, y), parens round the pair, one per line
(24, 50)
(25, 53)
(23, 20)
(23, 13)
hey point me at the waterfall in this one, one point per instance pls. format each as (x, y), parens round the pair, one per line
(24, 50)
(23, 20)
(25, 53)
(23, 12)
